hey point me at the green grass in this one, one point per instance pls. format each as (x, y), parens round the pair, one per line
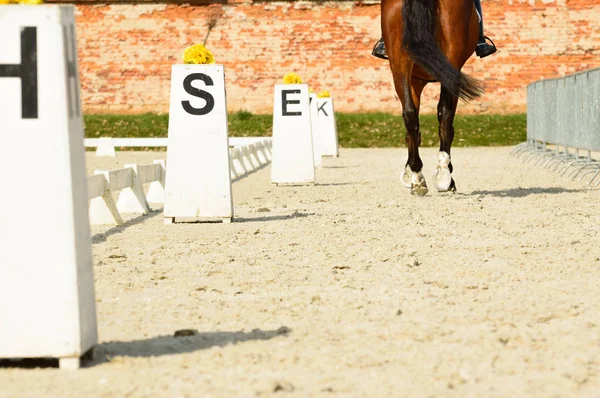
(375, 130)
(355, 130)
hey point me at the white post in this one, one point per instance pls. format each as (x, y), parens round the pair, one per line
(252, 149)
(198, 184)
(292, 161)
(232, 171)
(246, 159)
(46, 275)
(327, 127)
(156, 190)
(238, 164)
(314, 126)
(133, 200)
(269, 149)
(261, 153)
(106, 147)
(103, 209)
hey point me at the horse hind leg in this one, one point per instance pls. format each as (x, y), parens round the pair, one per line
(442, 176)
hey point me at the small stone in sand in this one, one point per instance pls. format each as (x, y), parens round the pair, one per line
(185, 333)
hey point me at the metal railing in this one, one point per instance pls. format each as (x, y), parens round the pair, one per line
(563, 125)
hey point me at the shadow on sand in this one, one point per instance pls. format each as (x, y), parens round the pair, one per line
(338, 167)
(334, 184)
(248, 173)
(186, 341)
(522, 192)
(101, 236)
(295, 214)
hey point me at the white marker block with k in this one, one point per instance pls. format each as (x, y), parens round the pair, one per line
(198, 181)
(314, 126)
(47, 299)
(327, 127)
(292, 161)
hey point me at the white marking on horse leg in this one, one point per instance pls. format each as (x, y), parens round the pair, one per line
(443, 159)
(417, 178)
(442, 178)
(418, 185)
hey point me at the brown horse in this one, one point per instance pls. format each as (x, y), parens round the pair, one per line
(427, 41)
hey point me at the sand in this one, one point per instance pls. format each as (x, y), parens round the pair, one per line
(351, 288)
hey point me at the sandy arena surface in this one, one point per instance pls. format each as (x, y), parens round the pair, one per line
(351, 288)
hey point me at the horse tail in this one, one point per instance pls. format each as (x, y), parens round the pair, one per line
(419, 17)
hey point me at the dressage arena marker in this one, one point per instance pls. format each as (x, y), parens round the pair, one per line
(327, 128)
(46, 274)
(315, 131)
(293, 161)
(198, 184)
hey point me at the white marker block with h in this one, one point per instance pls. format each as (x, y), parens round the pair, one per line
(198, 183)
(327, 127)
(292, 161)
(46, 275)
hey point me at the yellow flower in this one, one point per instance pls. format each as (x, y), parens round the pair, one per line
(198, 54)
(292, 78)
(323, 94)
(310, 90)
(30, 1)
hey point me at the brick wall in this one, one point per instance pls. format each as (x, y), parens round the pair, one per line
(126, 50)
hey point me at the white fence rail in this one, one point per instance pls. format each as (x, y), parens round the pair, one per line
(129, 181)
(105, 146)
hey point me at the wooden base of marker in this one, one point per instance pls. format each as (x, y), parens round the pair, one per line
(189, 220)
(69, 363)
(74, 363)
(65, 363)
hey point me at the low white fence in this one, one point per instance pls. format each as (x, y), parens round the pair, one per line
(129, 181)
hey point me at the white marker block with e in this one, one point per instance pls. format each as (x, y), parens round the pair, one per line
(48, 308)
(327, 127)
(292, 161)
(198, 181)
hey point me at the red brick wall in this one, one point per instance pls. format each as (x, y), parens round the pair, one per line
(126, 50)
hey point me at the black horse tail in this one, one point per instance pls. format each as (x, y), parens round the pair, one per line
(419, 17)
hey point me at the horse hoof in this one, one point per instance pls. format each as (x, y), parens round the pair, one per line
(442, 179)
(419, 189)
(405, 177)
(452, 187)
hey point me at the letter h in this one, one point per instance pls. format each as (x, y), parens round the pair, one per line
(27, 72)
